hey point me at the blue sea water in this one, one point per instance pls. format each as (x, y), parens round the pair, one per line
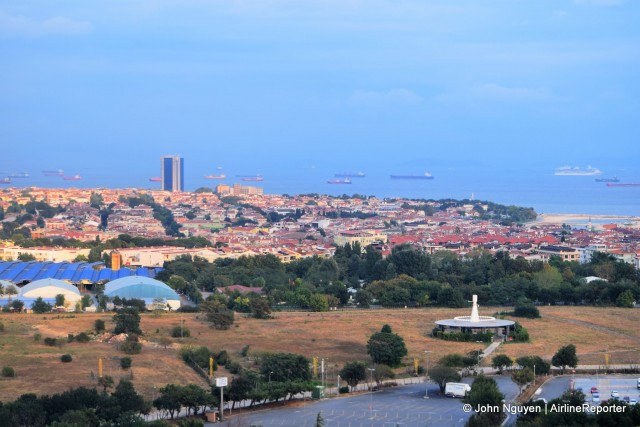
(537, 188)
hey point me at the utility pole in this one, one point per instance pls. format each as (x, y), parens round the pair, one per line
(426, 376)
(371, 390)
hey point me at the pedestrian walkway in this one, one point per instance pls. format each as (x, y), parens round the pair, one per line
(487, 351)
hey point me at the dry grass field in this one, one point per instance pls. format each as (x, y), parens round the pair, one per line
(337, 337)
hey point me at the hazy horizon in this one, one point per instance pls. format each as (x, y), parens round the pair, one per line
(105, 89)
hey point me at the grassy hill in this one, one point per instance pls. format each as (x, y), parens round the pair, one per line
(337, 337)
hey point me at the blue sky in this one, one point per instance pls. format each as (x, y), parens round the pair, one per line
(259, 84)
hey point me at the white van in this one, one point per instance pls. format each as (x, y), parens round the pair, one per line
(456, 389)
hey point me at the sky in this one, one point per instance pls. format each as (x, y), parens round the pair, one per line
(259, 85)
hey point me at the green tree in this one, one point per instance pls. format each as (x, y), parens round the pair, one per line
(535, 363)
(99, 325)
(442, 375)
(485, 392)
(40, 306)
(169, 399)
(318, 302)
(217, 314)
(386, 348)
(127, 321)
(127, 398)
(381, 373)
(60, 300)
(500, 362)
(18, 305)
(565, 356)
(260, 308)
(522, 376)
(353, 373)
(625, 299)
(282, 367)
(26, 257)
(106, 382)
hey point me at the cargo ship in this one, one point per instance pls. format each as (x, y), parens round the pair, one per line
(221, 176)
(59, 172)
(350, 175)
(255, 178)
(72, 178)
(576, 171)
(339, 181)
(19, 175)
(5, 180)
(425, 175)
(622, 185)
(614, 179)
(155, 179)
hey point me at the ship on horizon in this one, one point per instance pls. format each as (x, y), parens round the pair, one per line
(425, 175)
(623, 185)
(221, 176)
(350, 175)
(5, 180)
(576, 171)
(251, 178)
(155, 179)
(339, 181)
(58, 172)
(19, 175)
(72, 178)
(614, 179)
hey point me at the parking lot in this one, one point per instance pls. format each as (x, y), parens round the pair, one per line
(606, 384)
(398, 406)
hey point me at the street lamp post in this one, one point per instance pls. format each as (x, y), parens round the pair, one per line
(426, 376)
(270, 376)
(371, 390)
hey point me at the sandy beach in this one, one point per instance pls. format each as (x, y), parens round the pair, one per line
(583, 219)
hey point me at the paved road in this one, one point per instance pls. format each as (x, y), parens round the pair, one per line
(399, 406)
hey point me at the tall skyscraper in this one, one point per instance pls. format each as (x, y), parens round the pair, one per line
(172, 169)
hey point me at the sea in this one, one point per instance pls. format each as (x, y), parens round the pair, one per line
(538, 188)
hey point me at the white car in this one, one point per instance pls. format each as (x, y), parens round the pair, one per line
(633, 401)
(615, 394)
(595, 399)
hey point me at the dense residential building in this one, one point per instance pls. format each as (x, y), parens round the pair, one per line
(172, 173)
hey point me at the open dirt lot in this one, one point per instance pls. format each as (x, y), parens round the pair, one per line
(337, 337)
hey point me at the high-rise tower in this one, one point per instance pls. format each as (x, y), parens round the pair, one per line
(172, 170)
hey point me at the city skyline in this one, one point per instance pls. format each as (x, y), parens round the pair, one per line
(345, 86)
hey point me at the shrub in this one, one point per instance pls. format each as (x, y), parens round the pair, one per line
(344, 390)
(131, 345)
(125, 362)
(82, 337)
(99, 325)
(234, 367)
(50, 341)
(245, 351)
(37, 337)
(1, 327)
(190, 422)
(71, 338)
(222, 358)
(66, 358)
(8, 372)
(180, 331)
(526, 310)
(188, 309)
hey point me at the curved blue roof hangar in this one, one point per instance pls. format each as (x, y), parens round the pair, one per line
(139, 287)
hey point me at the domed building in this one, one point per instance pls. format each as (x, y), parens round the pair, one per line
(144, 288)
(47, 289)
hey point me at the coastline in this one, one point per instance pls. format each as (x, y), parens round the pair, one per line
(584, 219)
